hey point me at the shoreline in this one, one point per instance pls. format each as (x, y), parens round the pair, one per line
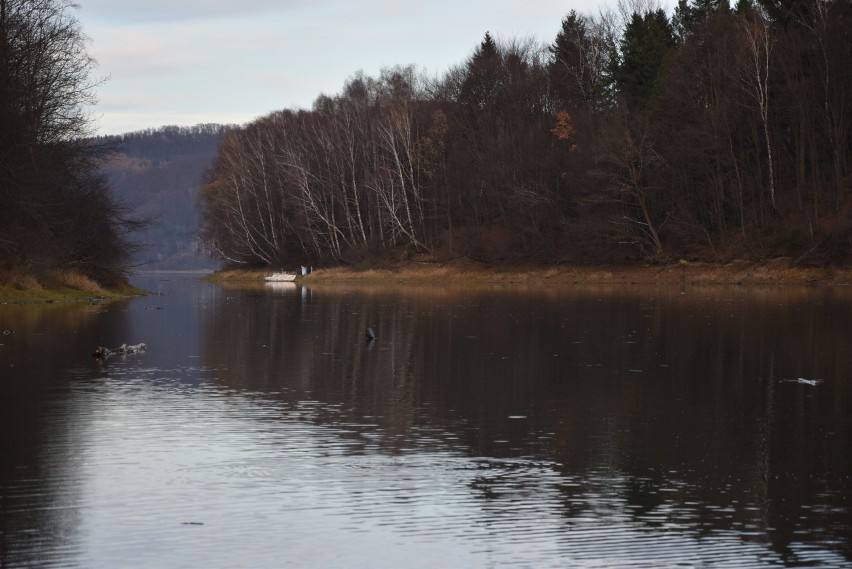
(19, 287)
(65, 295)
(775, 272)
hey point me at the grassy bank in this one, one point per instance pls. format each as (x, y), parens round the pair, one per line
(777, 271)
(18, 286)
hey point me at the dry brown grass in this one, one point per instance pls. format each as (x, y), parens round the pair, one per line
(76, 281)
(16, 279)
(18, 285)
(778, 271)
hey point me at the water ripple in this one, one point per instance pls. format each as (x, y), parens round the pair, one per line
(300, 484)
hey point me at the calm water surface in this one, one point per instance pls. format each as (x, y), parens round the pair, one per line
(509, 426)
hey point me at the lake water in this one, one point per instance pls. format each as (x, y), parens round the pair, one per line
(488, 426)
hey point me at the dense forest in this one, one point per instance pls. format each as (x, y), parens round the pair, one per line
(715, 132)
(157, 173)
(57, 213)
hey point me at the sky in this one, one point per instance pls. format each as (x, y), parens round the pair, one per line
(185, 62)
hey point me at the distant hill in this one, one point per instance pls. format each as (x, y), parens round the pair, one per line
(157, 173)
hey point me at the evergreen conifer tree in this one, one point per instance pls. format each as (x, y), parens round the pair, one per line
(646, 43)
(481, 85)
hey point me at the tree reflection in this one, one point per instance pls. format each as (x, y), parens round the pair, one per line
(661, 406)
(43, 428)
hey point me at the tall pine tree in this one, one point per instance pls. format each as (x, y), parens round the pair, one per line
(646, 42)
(482, 82)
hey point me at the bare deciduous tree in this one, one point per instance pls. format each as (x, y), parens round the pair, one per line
(754, 77)
(57, 209)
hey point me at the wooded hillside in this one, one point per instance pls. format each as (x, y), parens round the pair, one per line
(157, 174)
(712, 133)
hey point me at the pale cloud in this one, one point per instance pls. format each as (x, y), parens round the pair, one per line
(118, 103)
(135, 11)
(188, 61)
(153, 57)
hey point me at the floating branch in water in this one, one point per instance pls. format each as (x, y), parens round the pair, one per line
(101, 352)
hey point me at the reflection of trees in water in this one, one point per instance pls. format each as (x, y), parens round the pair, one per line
(300, 348)
(748, 452)
(42, 427)
(675, 399)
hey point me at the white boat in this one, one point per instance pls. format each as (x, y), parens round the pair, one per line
(280, 277)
